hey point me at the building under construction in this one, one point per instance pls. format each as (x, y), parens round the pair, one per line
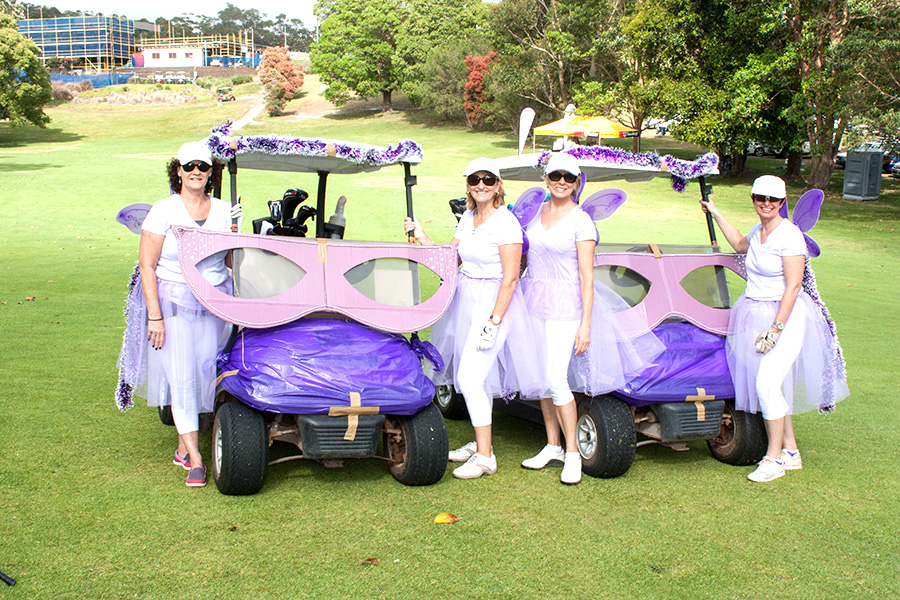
(194, 51)
(92, 43)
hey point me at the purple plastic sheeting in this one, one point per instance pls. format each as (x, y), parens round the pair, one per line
(693, 360)
(311, 365)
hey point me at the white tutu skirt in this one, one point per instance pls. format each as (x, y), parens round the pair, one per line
(516, 356)
(621, 345)
(815, 381)
(183, 372)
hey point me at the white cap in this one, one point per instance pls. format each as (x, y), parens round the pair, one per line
(562, 162)
(769, 185)
(482, 164)
(191, 151)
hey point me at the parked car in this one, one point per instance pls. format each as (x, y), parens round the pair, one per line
(840, 158)
(181, 77)
(158, 78)
(895, 167)
(169, 77)
(318, 358)
(683, 293)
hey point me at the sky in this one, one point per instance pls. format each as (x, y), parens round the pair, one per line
(296, 9)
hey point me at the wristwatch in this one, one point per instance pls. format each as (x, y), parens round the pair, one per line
(778, 325)
(495, 320)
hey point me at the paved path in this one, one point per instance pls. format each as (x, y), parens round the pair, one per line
(255, 111)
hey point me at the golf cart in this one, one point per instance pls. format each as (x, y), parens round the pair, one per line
(318, 358)
(223, 94)
(682, 293)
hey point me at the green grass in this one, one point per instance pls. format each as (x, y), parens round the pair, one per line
(93, 507)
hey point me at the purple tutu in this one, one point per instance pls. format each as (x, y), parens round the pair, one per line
(815, 382)
(181, 373)
(621, 344)
(517, 361)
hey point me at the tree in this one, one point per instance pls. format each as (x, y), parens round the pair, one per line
(475, 94)
(280, 78)
(24, 82)
(444, 77)
(357, 49)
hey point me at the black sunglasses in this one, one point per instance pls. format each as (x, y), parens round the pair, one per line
(557, 175)
(200, 165)
(769, 199)
(489, 180)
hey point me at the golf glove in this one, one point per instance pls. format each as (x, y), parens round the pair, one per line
(767, 339)
(487, 337)
(237, 213)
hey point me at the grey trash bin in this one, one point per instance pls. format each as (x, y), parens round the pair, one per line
(862, 174)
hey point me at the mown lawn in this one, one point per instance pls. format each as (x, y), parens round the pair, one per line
(93, 508)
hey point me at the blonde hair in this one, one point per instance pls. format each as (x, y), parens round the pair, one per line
(499, 196)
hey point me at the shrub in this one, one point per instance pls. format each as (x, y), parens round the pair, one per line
(239, 79)
(85, 85)
(62, 91)
(281, 79)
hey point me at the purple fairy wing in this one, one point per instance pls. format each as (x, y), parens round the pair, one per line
(783, 211)
(524, 243)
(806, 211)
(601, 205)
(132, 216)
(528, 205)
(812, 246)
(583, 178)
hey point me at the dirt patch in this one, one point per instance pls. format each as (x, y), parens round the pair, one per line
(141, 98)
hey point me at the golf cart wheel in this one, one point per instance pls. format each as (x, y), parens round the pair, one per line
(165, 415)
(742, 440)
(605, 436)
(240, 449)
(451, 403)
(417, 446)
(759, 151)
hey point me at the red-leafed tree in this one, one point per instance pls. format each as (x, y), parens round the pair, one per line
(475, 94)
(281, 78)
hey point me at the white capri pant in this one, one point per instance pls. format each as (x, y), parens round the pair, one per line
(559, 342)
(471, 378)
(776, 365)
(185, 422)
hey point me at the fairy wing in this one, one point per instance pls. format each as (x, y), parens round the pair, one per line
(806, 211)
(583, 179)
(528, 205)
(812, 246)
(133, 215)
(601, 205)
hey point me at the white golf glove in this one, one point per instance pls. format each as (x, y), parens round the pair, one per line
(237, 212)
(767, 339)
(487, 337)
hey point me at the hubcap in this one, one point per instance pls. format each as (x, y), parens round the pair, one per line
(586, 434)
(443, 394)
(217, 447)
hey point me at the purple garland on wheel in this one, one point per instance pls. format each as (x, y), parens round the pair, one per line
(280, 145)
(680, 170)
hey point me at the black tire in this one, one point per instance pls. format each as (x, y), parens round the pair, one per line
(165, 416)
(240, 449)
(606, 438)
(451, 403)
(417, 446)
(742, 440)
(759, 151)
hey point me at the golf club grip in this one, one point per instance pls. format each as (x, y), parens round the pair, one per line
(7, 579)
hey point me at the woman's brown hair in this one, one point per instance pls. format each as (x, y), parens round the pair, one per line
(215, 177)
(499, 197)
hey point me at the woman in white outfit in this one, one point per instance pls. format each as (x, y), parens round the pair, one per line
(484, 339)
(591, 342)
(780, 348)
(171, 357)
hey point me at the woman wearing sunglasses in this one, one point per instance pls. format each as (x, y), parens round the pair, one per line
(485, 337)
(776, 343)
(182, 336)
(591, 343)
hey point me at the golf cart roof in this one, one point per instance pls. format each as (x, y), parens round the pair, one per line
(605, 163)
(309, 155)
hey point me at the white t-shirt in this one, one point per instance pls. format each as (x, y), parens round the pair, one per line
(765, 270)
(552, 253)
(479, 248)
(171, 211)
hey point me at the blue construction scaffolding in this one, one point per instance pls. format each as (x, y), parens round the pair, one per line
(92, 43)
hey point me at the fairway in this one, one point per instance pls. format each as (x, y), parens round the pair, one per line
(92, 506)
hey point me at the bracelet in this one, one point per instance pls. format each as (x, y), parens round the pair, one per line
(778, 325)
(159, 319)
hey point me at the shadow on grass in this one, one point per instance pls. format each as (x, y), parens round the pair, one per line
(18, 136)
(25, 167)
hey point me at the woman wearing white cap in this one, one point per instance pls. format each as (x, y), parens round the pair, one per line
(484, 338)
(777, 336)
(182, 336)
(592, 344)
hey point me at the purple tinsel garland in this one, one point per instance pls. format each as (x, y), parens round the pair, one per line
(220, 146)
(835, 366)
(124, 390)
(680, 170)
